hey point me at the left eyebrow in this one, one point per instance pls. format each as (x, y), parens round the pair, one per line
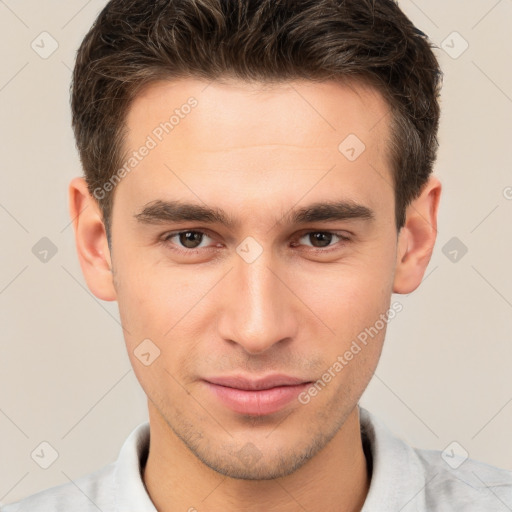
(336, 210)
(160, 211)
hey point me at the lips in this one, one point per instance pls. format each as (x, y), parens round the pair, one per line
(271, 381)
(260, 396)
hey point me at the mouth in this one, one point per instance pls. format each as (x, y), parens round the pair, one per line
(256, 397)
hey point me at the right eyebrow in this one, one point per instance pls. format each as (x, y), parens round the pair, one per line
(160, 211)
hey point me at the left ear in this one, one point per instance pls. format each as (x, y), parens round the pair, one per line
(417, 238)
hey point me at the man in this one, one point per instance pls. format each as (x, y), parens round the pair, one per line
(258, 182)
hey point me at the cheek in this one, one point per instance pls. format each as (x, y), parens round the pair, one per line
(166, 306)
(350, 296)
(151, 295)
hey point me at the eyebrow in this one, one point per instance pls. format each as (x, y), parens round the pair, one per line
(159, 211)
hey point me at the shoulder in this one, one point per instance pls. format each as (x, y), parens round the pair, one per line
(91, 492)
(413, 479)
(464, 483)
(117, 486)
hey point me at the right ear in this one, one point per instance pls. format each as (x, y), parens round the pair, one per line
(91, 240)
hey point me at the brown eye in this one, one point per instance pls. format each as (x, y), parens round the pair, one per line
(190, 239)
(185, 240)
(324, 239)
(320, 239)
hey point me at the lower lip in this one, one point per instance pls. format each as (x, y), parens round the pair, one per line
(260, 402)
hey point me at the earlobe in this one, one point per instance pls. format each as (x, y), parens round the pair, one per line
(417, 238)
(91, 240)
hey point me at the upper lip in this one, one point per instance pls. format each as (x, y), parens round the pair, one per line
(248, 383)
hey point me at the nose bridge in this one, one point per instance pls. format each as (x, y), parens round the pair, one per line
(257, 309)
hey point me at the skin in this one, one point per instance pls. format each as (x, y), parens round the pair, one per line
(257, 152)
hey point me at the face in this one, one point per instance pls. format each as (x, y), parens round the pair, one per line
(294, 259)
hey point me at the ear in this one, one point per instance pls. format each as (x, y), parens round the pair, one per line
(91, 240)
(417, 238)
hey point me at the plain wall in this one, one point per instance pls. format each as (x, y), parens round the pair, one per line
(65, 378)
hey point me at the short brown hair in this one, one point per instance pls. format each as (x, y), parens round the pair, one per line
(135, 42)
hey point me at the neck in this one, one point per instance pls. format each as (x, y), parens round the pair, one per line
(334, 479)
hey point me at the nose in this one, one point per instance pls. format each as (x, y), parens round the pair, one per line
(258, 309)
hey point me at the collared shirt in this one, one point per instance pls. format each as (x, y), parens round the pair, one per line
(403, 479)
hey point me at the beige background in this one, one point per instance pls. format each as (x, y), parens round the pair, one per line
(64, 375)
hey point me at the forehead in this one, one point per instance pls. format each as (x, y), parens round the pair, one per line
(295, 113)
(257, 138)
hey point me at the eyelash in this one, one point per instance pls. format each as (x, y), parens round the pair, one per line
(316, 250)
